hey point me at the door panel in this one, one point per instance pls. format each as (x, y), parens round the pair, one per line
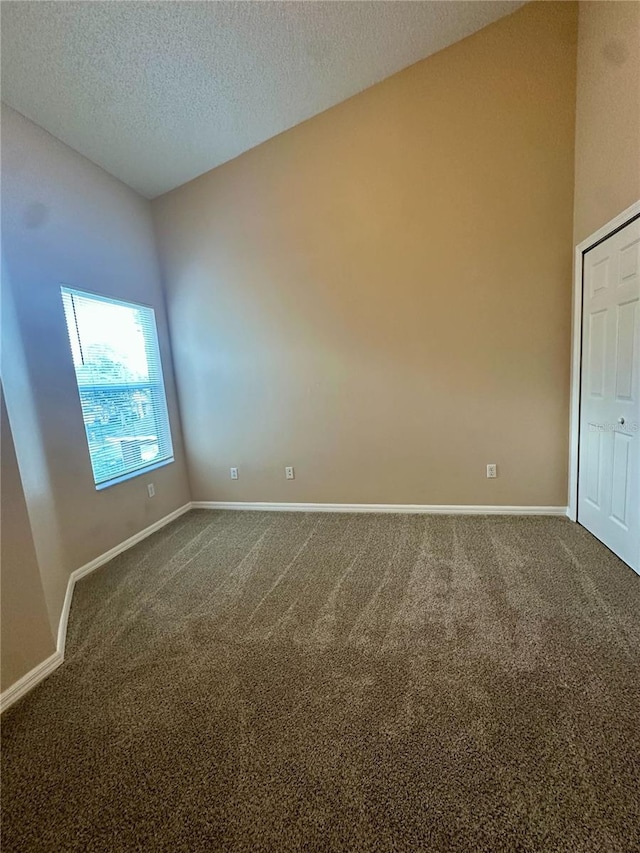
(620, 478)
(629, 256)
(625, 367)
(592, 466)
(599, 276)
(597, 352)
(609, 451)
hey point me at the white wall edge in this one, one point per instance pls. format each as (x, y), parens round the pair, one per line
(27, 682)
(426, 509)
(576, 346)
(40, 672)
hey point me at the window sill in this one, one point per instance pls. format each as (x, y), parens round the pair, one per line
(137, 473)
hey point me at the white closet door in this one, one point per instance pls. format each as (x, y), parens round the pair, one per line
(609, 454)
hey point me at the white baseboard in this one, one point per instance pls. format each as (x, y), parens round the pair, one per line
(427, 509)
(28, 681)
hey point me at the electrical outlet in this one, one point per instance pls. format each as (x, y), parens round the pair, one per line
(151, 490)
(289, 473)
(492, 471)
(234, 473)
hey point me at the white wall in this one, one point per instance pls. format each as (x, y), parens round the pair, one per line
(27, 638)
(66, 221)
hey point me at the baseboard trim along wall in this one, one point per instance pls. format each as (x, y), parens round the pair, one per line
(42, 670)
(28, 682)
(426, 509)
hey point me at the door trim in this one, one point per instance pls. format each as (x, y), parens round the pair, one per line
(618, 222)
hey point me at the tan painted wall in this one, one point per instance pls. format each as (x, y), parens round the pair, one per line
(380, 296)
(26, 637)
(65, 221)
(607, 114)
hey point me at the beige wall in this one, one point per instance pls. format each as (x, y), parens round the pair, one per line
(27, 639)
(608, 114)
(380, 296)
(65, 221)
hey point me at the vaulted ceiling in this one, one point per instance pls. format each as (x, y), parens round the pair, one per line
(159, 92)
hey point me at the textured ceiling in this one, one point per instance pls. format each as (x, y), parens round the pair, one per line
(159, 92)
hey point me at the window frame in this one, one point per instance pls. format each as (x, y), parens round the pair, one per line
(156, 387)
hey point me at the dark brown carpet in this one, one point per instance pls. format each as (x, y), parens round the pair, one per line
(299, 682)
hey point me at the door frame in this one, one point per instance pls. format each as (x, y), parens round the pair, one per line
(617, 223)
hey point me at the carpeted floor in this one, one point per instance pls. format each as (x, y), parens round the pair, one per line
(313, 682)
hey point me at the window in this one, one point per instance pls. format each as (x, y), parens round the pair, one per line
(115, 354)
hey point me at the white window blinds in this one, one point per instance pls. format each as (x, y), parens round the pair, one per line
(117, 362)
